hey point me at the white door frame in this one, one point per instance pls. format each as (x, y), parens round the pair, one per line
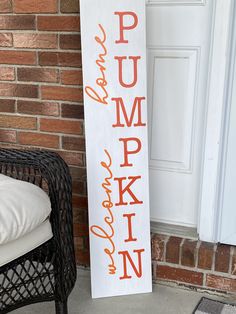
(216, 102)
(229, 102)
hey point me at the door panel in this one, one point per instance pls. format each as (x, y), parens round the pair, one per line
(175, 71)
(178, 41)
(176, 2)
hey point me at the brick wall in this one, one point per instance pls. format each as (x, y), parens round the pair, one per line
(41, 92)
(194, 263)
(41, 107)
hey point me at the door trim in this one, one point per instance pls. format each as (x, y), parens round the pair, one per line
(175, 2)
(174, 230)
(226, 126)
(208, 223)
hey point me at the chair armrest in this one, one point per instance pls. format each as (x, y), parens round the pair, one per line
(39, 167)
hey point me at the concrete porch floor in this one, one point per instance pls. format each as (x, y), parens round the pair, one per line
(163, 300)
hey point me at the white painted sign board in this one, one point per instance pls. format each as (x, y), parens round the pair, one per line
(114, 74)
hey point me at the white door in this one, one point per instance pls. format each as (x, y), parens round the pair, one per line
(178, 40)
(227, 217)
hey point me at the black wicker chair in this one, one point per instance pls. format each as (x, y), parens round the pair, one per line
(48, 272)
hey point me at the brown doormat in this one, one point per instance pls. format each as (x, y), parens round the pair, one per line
(208, 306)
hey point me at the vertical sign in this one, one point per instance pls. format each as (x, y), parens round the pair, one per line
(114, 71)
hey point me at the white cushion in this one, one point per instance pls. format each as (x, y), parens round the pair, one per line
(23, 207)
(23, 245)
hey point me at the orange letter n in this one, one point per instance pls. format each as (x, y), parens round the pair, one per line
(137, 270)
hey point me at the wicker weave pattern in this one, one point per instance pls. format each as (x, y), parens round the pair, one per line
(49, 271)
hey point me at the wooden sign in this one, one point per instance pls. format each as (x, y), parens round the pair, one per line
(114, 73)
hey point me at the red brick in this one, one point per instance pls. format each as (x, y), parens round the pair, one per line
(86, 243)
(72, 158)
(18, 90)
(78, 173)
(72, 111)
(61, 126)
(79, 243)
(38, 139)
(5, 6)
(80, 215)
(7, 105)
(69, 6)
(158, 247)
(38, 108)
(17, 22)
(73, 143)
(71, 77)
(233, 270)
(80, 201)
(37, 75)
(17, 57)
(7, 74)
(7, 136)
(35, 41)
(180, 275)
(16, 122)
(205, 255)
(189, 253)
(70, 59)
(70, 42)
(173, 250)
(78, 187)
(61, 93)
(221, 283)
(222, 258)
(35, 6)
(5, 40)
(82, 258)
(81, 230)
(59, 23)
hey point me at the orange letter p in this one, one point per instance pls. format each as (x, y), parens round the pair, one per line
(126, 27)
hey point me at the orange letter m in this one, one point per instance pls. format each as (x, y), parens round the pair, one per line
(128, 120)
